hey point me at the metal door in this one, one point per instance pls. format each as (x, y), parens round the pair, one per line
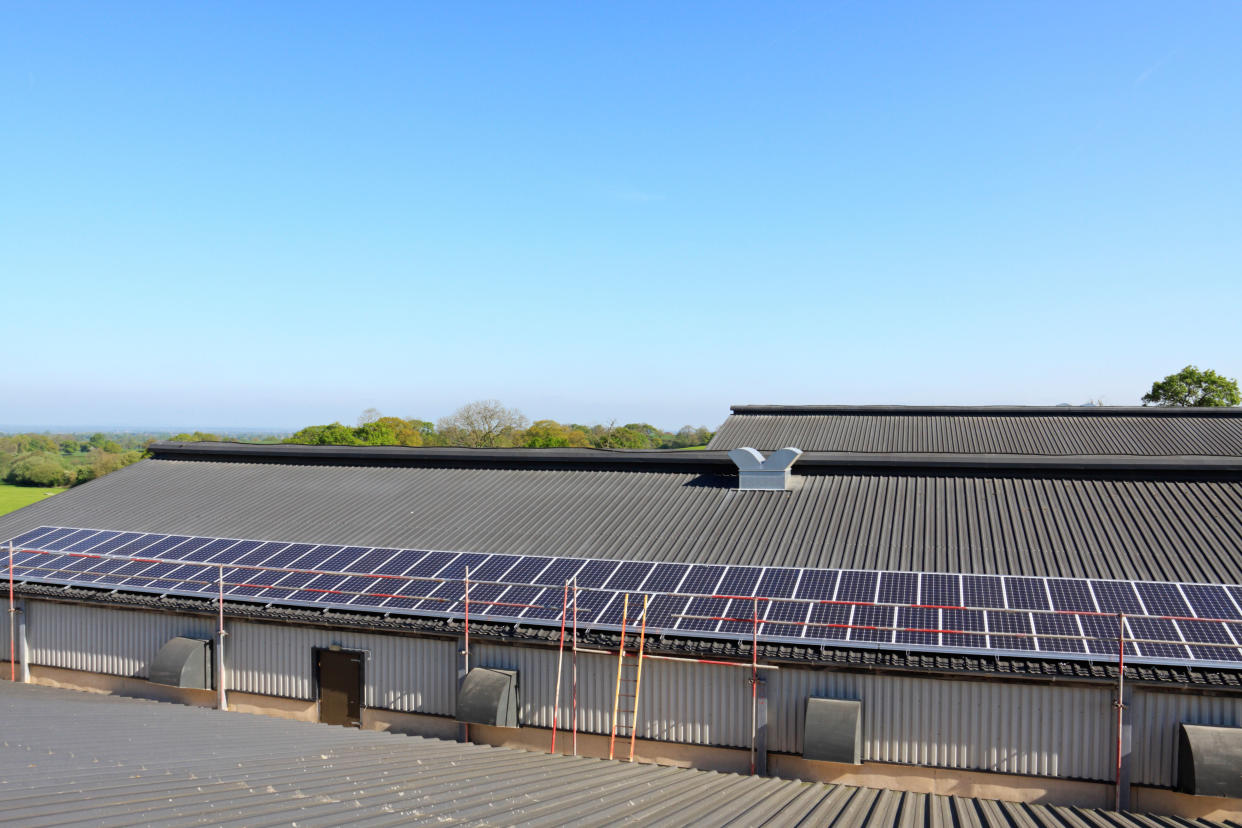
(340, 687)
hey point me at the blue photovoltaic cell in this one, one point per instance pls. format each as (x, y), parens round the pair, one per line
(611, 614)
(259, 555)
(662, 608)
(1209, 633)
(117, 541)
(509, 603)
(482, 597)
(740, 580)
(1102, 632)
(555, 573)
(940, 590)
(982, 591)
(1116, 596)
(456, 568)
(432, 563)
(206, 552)
(915, 619)
(702, 606)
(1010, 622)
(870, 616)
(857, 586)
(702, 579)
(411, 594)
(230, 554)
(590, 603)
(899, 588)
(628, 576)
(528, 568)
(547, 602)
(1162, 599)
(1026, 593)
(441, 597)
(493, 569)
(1236, 592)
(1210, 601)
(777, 583)
(594, 573)
(665, 577)
(400, 563)
(1160, 630)
(1070, 595)
(66, 540)
(31, 536)
(1047, 626)
(957, 626)
(90, 541)
(829, 622)
(785, 611)
(744, 609)
(285, 557)
(817, 584)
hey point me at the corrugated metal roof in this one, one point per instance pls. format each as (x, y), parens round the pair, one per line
(1059, 431)
(70, 757)
(1125, 527)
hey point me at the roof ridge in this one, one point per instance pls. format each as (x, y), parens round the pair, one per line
(992, 410)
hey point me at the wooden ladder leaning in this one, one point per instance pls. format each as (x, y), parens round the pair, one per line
(629, 678)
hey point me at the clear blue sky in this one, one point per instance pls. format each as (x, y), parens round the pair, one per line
(265, 214)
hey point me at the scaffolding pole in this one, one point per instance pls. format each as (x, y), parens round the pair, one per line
(12, 622)
(638, 679)
(466, 649)
(222, 699)
(574, 709)
(560, 663)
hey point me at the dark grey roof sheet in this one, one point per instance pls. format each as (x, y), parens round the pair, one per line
(1124, 527)
(70, 757)
(1038, 431)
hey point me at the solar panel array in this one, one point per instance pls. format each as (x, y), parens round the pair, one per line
(1014, 615)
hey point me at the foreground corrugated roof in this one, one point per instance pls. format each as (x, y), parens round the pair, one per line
(77, 758)
(1122, 526)
(1012, 430)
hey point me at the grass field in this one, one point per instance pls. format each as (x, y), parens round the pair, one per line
(15, 497)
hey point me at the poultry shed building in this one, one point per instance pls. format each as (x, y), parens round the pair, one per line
(1036, 603)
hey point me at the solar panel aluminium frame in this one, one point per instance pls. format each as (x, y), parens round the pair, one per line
(847, 639)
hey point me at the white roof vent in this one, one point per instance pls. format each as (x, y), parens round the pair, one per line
(756, 474)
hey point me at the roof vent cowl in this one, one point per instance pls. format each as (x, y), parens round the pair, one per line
(754, 473)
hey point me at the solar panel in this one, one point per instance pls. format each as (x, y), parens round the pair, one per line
(857, 586)
(899, 588)
(983, 591)
(1026, 593)
(983, 613)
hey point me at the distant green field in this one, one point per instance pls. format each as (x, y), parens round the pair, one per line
(15, 497)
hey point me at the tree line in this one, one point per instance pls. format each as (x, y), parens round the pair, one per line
(490, 424)
(55, 460)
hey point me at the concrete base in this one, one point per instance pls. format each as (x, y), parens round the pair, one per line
(947, 782)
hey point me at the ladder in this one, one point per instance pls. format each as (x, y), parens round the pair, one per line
(629, 678)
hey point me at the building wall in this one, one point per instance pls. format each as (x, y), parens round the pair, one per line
(101, 640)
(1155, 744)
(403, 673)
(1027, 728)
(1020, 728)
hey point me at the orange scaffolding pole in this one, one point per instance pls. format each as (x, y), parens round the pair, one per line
(638, 679)
(574, 709)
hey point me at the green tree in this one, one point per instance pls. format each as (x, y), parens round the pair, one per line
(551, 434)
(1194, 388)
(38, 470)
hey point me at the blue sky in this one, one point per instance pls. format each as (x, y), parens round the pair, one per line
(265, 214)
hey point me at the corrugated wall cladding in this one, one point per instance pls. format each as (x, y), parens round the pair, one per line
(1041, 730)
(1154, 743)
(111, 641)
(947, 433)
(698, 704)
(1176, 530)
(408, 674)
(1018, 728)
